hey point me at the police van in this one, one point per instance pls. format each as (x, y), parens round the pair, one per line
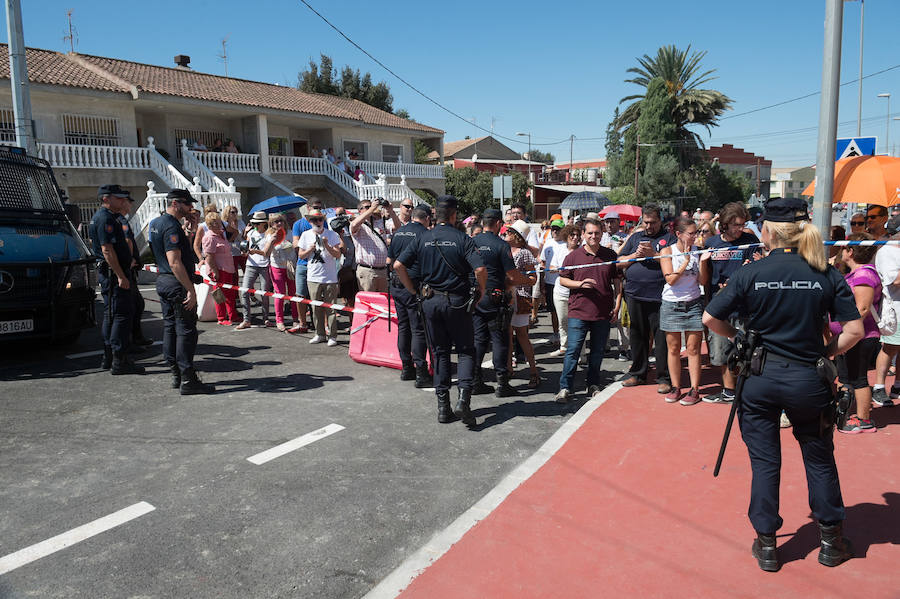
(47, 272)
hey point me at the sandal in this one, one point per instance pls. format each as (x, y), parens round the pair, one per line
(535, 381)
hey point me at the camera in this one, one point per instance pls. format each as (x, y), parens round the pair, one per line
(245, 246)
(383, 202)
(339, 222)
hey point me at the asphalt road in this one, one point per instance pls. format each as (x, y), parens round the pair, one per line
(329, 519)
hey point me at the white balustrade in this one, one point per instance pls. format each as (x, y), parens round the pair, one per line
(155, 204)
(397, 169)
(203, 176)
(77, 156)
(165, 171)
(228, 162)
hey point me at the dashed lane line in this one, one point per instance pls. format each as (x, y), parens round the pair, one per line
(289, 446)
(76, 535)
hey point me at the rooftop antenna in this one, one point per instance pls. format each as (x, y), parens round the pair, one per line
(224, 55)
(72, 37)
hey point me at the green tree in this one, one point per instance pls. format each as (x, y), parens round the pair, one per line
(615, 145)
(404, 114)
(621, 195)
(421, 151)
(656, 133)
(683, 76)
(475, 190)
(657, 182)
(545, 157)
(319, 78)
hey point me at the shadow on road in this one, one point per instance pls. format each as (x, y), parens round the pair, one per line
(278, 384)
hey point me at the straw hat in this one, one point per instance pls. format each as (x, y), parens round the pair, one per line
(259, 217)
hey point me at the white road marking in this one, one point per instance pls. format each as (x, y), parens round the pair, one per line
(289, 446)
(98, 352)
(151, 318)
(76, 535)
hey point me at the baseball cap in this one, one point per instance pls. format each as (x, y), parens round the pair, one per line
(113, 190)
(559, 223)
(182, 195)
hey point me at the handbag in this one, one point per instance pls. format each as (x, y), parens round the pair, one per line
(523, 304)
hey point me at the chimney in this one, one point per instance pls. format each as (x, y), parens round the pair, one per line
(183, 61)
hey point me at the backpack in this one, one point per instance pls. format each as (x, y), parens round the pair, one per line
(887, 320)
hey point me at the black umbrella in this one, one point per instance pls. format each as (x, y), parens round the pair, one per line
(585, 200)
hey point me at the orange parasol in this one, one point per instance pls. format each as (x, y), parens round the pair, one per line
(865, 180)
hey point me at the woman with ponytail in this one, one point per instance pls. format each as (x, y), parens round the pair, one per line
(787, 297)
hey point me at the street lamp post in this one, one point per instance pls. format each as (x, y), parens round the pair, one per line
(887, 133)
(529, 152)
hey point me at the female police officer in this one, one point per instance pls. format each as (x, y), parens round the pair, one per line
(786, 297)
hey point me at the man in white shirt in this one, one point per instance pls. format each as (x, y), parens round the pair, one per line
(321, 248)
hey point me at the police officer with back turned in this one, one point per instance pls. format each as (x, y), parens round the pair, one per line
(445, 258)
(410, 328)
(787, 297)
(175, 287)
(490, 322)
(110, 244)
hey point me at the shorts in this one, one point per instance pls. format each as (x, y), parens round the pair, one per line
(520, 320)
(681, 317)
(891, 339)
(719, 347)
(853, 365)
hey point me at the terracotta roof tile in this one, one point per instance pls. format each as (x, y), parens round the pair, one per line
(45, 66)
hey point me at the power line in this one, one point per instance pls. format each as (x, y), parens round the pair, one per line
(731, 116)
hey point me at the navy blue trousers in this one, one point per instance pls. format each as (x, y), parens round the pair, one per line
(179, 324)
(410, 330)
(803, 396)
(486, 322)
(449, 326)
(117, 314)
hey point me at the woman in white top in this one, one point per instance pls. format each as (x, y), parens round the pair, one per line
(257, 267)
(281, 257)
(321, 248)
(571, 234)
(553, 245)
(682, 308)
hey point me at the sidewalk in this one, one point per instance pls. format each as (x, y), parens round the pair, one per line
(628, 507)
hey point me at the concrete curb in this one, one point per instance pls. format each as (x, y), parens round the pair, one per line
(395, 582)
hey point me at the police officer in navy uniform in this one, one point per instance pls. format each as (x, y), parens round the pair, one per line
(110, 245)
(446, 257)
(410, 328)
(787, 297)
(137, 335)
(175, 286)
(491, 326)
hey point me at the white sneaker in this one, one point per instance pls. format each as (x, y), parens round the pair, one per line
(332, 342)
(562, 396)
(558, 352)
(317, 339)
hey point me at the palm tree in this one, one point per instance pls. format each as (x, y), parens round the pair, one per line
(680, 69)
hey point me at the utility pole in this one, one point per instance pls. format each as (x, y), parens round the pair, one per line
(757, 176)
(862, 13)
(828, 115)
(72, 33)
(637, 163)
(18, 72)
(571, 151)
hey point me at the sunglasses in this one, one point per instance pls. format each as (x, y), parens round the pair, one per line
(314, 221)
(857, 223)
(874, 216)
(279, 221)
(408, 206)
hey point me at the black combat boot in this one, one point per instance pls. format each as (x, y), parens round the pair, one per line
(445, 414)
(765, 553)
(504, 389)
(141, 340)
(106, 361)
(463, 411)
(836, 548)
(407, 372)
(479, 387)
(423, 378)
(192, 385)
(121, 364)
(176, 376)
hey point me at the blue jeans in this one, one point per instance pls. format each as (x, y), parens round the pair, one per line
(578, 330)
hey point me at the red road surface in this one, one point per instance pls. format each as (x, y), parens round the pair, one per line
(628, 507)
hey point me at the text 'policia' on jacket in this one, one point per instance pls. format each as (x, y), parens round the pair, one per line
(47, 273)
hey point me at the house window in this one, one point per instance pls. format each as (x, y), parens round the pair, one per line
(7, 125)
(360, 148)
(207, 138)
(391, 153)
(86, 130)
(278, 146)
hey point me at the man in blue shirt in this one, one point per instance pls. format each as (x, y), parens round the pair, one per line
(643, 295)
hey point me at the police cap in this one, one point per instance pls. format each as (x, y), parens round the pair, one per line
(785, 210)
(447, 202)
(493, 213)
(113, 190)
(182, 195)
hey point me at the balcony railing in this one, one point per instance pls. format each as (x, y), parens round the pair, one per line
(396, 169)
(112, 157)
(155, 204)
(229, 162)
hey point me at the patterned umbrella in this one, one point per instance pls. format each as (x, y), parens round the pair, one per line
(585, 200)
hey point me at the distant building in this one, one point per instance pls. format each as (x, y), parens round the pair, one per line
(789, 182)
(486, 148)
(587, 171)
(754, 168)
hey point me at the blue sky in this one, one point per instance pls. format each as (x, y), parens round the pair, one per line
(551, 69)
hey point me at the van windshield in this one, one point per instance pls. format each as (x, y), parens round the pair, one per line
(27, 184)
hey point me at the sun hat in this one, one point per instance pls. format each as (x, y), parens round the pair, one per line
(259, 217)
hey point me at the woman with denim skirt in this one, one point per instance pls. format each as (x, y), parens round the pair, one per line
(682, 308)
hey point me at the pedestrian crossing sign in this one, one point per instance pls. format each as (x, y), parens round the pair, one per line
(848, 147)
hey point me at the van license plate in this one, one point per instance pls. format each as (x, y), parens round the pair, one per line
(16, 326)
